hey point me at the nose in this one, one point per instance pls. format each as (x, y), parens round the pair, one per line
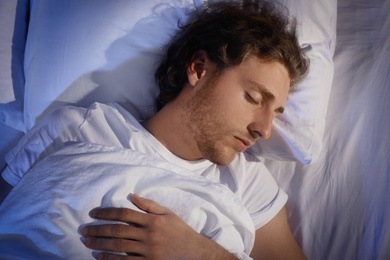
(261, 126)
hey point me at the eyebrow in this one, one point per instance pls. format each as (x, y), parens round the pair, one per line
(266, 94)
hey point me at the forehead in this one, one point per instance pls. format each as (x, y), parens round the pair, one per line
(270, 76)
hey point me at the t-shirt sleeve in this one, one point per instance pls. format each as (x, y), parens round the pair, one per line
(57, 128)
(258, 190)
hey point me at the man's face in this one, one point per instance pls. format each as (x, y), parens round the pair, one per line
(227, 114)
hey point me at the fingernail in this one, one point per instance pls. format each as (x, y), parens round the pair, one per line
(134, 196)
(92, 213)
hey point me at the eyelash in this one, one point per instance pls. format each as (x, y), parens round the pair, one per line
(251, 100)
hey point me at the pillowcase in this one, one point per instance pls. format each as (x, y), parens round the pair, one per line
(79, 52)
(297, 133)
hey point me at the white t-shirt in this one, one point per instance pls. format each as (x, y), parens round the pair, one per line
(112, 125)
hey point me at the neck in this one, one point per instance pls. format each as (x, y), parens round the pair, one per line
(169, 128)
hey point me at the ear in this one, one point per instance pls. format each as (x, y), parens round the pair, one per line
(197, 68)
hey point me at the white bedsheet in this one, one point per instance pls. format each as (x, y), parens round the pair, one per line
(42, 215)
(339, 207)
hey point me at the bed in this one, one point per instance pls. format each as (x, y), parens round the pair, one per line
(329, 152)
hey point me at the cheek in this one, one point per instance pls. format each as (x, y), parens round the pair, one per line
(236, 110)
(227, 107)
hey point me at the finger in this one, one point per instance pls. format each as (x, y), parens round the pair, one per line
(113, 230)
(108, 256)
(120, 214)
(149, 206)
(114, 245)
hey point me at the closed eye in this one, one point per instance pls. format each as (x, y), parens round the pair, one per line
(251, 99)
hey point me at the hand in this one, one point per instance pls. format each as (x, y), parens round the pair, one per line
(157, 234)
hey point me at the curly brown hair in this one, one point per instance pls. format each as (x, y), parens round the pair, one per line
(229, 32)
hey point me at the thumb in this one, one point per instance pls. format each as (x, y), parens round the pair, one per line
(149, 206)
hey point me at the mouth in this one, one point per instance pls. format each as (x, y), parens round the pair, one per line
(243, 144)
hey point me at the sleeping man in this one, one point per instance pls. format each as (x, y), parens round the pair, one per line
(224, 78)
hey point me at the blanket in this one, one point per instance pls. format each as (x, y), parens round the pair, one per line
(42, 216)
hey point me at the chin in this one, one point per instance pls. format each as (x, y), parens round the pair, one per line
(219, 153)
(222, 158)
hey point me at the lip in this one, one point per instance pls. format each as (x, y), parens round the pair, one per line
(243, 143)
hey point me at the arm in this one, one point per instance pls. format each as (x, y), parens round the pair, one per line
(157, 234)
(275, 240)
(5, 187)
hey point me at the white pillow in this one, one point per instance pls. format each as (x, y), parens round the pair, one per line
(84, 51)
(297, 133)
(79, 52)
